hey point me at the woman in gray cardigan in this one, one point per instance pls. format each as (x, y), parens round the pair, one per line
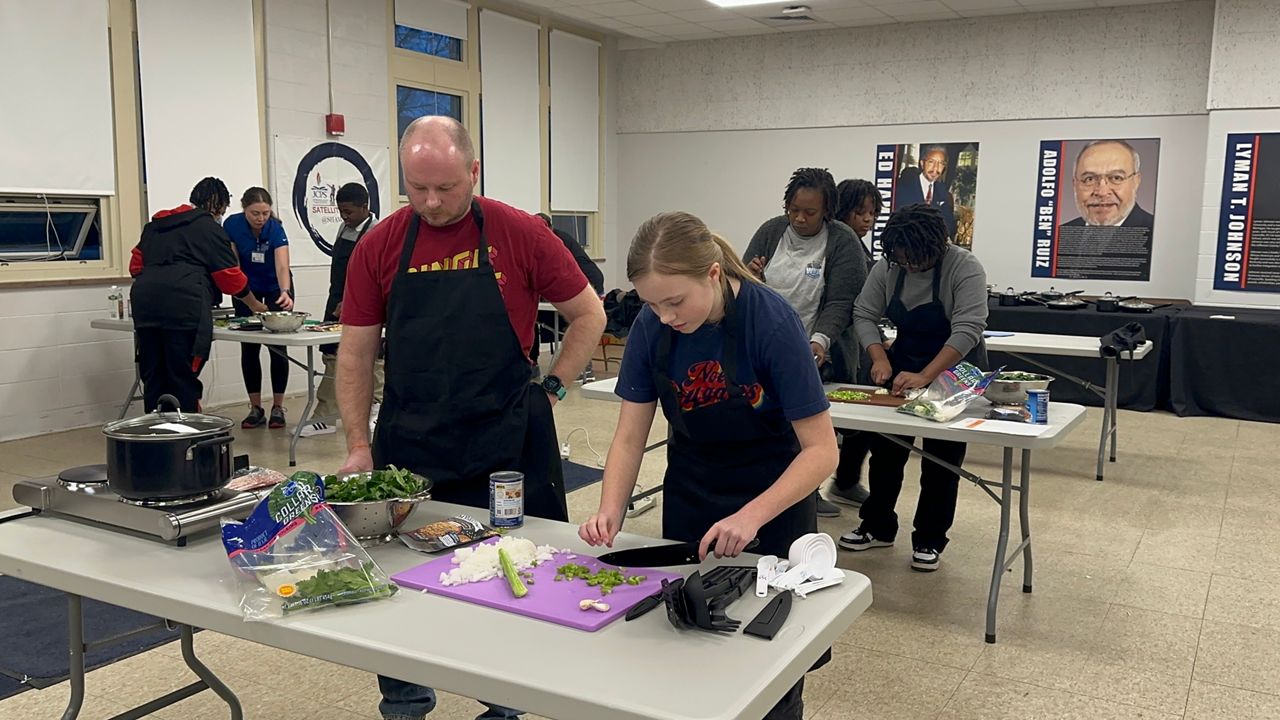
(816, 263)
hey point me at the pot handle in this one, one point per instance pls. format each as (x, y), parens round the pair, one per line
(173, 403)
(191, 449)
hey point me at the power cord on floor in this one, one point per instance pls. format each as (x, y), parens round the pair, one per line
(564, 446)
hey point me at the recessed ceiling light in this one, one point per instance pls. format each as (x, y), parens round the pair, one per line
(740, 3)
(795, 9)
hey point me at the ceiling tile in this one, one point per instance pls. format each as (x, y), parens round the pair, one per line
(704, 35)
(965, 5)
(1039, 4)
(734, 24)
(801, 27)
(652, 19)
(674, 28)
(611, 23)
(989, 12)
(578, 11)
(636, 43)
(864, 22)
(621, 9)
(913, 7)
(847, 13)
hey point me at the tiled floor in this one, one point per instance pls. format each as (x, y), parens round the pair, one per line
(1155, 592)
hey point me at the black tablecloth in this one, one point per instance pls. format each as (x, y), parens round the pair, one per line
(1143, 384)
(1225, 367)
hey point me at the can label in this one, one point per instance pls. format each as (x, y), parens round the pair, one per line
(506, 499)
(1038, 406)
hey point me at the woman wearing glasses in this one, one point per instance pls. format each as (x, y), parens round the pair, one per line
(935, 293)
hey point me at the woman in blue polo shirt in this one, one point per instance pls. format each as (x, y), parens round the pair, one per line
(264, 257)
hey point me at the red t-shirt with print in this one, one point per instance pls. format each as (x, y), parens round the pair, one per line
(530, 262)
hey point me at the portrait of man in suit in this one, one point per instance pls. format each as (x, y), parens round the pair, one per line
(1106, 179)
(925, 183)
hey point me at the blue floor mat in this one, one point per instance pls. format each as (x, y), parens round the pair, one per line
(578, 476)
(33, 625)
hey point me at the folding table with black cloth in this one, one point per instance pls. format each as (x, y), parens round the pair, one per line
(1226, 365)
(1143, 385)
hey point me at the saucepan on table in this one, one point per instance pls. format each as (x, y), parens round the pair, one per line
(168, 455)
(1137, 305)
(1107, 304)
(1068, 301)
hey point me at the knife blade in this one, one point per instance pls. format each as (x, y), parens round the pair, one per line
(685, 553)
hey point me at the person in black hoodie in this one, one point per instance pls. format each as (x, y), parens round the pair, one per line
(180, 267)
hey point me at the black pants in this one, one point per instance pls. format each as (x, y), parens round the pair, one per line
(791, 706)
(938, 487)
(251, 354)
(854, 447)
(166, 367)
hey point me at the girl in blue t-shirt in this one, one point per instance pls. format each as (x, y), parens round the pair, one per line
(263, 249)
(729, 363)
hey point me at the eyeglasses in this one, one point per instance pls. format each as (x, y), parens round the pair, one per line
(1114, 179)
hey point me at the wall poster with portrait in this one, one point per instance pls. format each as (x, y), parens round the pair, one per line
(1095, 209)
(944, 175)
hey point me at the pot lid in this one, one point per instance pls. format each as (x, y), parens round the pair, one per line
(167, 426)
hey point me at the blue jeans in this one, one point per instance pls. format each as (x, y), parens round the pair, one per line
(405, 701)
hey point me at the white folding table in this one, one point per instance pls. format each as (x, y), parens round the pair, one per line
(1021, 344)
(625, 671)
(1063, 417)
(275, 342)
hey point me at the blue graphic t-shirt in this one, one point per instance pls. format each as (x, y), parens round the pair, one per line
(775, 364)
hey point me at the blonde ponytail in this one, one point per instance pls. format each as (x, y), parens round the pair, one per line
(678, 243)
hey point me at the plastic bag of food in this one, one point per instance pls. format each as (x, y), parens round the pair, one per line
(254, 478)
(293, 554)
(948, 395)
(447, 534)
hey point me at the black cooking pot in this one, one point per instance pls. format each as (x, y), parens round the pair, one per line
(168, 456)
(1009, 298)
(1107, 304)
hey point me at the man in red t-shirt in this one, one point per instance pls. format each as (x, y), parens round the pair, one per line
(455, 280)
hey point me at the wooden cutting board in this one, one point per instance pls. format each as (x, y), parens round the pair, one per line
(892, 401)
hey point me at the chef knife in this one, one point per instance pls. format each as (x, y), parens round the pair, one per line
(685, 553)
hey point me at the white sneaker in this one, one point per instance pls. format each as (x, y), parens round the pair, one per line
(315, 429)
(859, 539)
(925, 559)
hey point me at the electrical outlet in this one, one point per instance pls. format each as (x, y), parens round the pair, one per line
(564, 451)
(641, 506)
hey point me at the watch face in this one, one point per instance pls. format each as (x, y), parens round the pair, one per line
(552, 383)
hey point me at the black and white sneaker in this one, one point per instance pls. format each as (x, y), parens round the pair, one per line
(925, 559)
(858, 540)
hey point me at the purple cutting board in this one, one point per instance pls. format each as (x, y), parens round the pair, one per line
(555, 602)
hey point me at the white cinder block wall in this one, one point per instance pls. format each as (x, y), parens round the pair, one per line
(57, 373)
(716, 127)
(1244, 96)
(297, 101)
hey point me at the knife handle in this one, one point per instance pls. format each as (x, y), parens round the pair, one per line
(644, 606)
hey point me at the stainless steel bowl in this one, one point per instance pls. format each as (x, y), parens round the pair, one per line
(1014, 392)
(283, 321)
(377, 521)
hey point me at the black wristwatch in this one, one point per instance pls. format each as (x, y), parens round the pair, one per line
(553, 386)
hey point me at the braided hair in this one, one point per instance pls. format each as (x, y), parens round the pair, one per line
(210, 194)
(852, 193)
(815, 178)
(918, 232)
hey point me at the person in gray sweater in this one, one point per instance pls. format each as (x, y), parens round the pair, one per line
(816, 263)
(935, 294)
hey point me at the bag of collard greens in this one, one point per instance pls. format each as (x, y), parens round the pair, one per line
(948, 395)
(293, 554)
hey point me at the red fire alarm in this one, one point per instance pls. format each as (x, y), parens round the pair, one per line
(335, 124)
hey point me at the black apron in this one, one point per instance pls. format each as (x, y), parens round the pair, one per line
(722, 456)
(342, 251)
(458, 402)
(923, 330)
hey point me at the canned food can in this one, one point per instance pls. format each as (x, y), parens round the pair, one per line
(1038, 406)
(506, 499)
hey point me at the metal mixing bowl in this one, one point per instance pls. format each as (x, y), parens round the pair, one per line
(376, 522)
(1014, 392)
(283, 321)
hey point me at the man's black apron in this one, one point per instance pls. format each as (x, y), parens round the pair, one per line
(458, 402)
(342, 250)
(722, 456)
(924, 329)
